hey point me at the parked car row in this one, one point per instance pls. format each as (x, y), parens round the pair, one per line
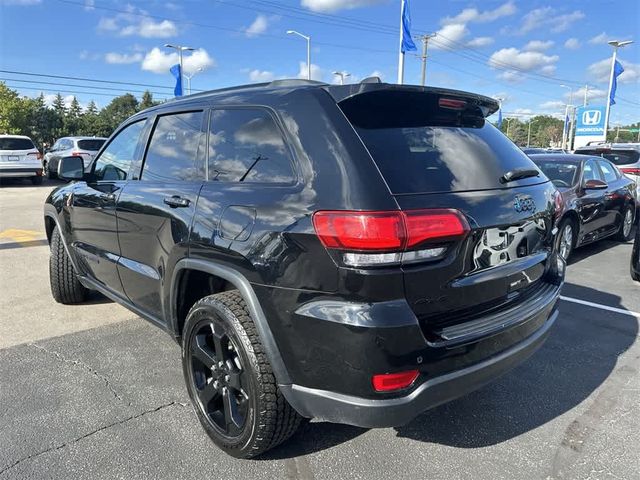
(83, 147)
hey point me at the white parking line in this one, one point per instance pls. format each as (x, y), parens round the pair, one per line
(601, 307)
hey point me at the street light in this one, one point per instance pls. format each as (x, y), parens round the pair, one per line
(180, 49)
(566, 115)
(615, 44)
(529, 134)
(342, 75)
(189, 77)
(308, 39)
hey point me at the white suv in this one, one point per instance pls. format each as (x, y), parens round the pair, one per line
(19, 157)
(84, 147)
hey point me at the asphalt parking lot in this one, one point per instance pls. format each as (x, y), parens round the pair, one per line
(92, 391)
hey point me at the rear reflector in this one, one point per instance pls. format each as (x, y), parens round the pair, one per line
(386, 231)
(388, 382)
(631, 171)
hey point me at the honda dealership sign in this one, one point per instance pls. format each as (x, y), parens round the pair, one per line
(589, 125)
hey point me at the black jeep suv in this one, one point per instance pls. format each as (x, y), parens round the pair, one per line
(356, 254)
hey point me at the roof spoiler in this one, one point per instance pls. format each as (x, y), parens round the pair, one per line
(295, 82)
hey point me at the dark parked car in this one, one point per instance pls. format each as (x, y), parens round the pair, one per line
(533, 150)
(355, 253)
(599, 201)
(635, 256)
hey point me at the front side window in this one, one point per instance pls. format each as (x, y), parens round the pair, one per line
(608, 172)
(176, 150)
(246, 145)
(115, 160)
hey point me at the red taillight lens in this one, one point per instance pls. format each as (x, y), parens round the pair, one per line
(386, 231)
(76, 154)
(452, 103)
(631, 171)
(388, 382)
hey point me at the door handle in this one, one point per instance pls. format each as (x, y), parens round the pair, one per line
(177, 201)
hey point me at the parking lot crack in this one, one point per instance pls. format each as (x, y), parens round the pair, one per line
(82, 365)
(89, 434)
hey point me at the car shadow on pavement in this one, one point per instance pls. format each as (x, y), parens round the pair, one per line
(592, 249)
(25, 182)
(578, 357)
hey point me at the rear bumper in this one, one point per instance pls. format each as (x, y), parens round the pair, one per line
(26, 171)
(371, 413)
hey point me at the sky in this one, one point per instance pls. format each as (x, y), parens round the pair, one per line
(521, 52)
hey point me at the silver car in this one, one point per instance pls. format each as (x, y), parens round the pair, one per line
(625, 156)
(19, 157)
(85, 147)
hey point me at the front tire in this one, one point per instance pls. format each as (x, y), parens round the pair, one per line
(626, 227)
(230, 380)
(567, 235)
(65, 286)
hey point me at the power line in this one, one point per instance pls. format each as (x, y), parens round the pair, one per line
(81, 86)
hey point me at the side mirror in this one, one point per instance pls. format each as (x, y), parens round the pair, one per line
(71, 168)
(595, 185)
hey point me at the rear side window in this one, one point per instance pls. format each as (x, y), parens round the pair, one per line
(91, 145)
(591, 171)
(608, 171)
(176, 149)
(617, 157)
(422, 147)
(13, 143)
(246, 145)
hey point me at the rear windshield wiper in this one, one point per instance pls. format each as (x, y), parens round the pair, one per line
(519, 174)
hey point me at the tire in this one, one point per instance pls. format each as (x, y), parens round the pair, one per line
(241, 385)
(36, 180)
(625, 233)
(49, 173)
(564, 244)
(65, 286)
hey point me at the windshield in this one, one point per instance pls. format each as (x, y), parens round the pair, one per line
(16, 143)
(94, 145)
(618, 157)
(562, 174)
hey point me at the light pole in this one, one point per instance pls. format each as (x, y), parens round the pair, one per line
(342, 75)
(308, 39)
(180, 49)
(615, 44)
(508, 120)
(565, 136)
(529, 134)
(189, 77)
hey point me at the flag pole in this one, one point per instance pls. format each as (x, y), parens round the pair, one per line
(400, 54)
(608, 110)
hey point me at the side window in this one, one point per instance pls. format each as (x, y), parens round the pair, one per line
(246, 145)
(175, 151)
(66, 144)
(115, 160)
(609, 171)
(591, 171)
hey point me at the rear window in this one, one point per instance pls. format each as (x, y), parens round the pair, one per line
(92, 145)
(422, 145)
(13, 143)
(617, 157)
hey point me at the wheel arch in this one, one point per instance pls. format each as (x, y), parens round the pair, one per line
(51, 221)
(573, 217)
(240, 282)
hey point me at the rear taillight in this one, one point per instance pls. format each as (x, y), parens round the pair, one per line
(452, 103)
(631, 171)
(76, 154)
(389, 237)
(388, 382)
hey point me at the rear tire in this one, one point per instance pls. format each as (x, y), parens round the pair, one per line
(36, 180)
(65, 286)
(50, 174)
(230, 380)
(626, 227)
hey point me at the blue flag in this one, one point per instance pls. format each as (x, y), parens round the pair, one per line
(500, 118)
(617, 70)
(175, 71)
(407, 41)
(566, 125)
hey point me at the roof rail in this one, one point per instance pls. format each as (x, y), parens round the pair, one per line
(294, 82)
(371, 80)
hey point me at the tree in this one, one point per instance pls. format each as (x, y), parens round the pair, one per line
(116, 112)
(59, 113)
(147, 100)
(12, 114)
(73, 118)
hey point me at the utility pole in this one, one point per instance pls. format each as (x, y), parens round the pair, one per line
(615, 44)
(425, 43)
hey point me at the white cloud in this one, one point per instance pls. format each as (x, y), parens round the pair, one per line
(522, 60)
(552, 105)
(158, 61)
(107, 24)
(480, 42)
(335, 5)
(89, 5)
(316, 72)
(122, 58)
(376, 73)
(511, 76)
(600, 71)
(474, 15)
(572, 44)
(87, 55)
(592, 94)
(602, 38)
(522, 111)
(548, 18)
(539, 45)
(258, 26)
(147, 28)
(261, 76)
(450, 36)
(50, 97)
(22, 3)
